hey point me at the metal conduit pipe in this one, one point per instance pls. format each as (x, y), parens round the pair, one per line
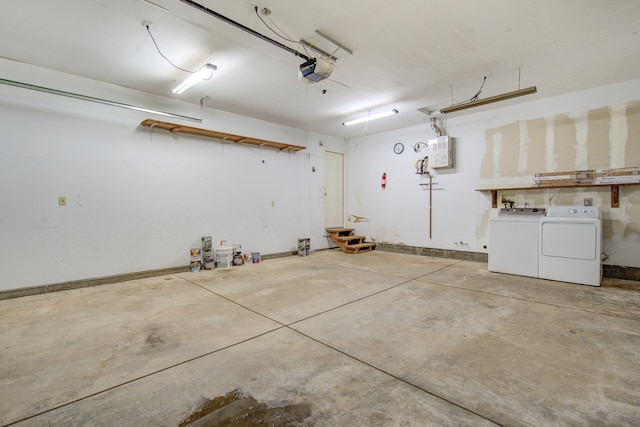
(435, 127)
(99, 100)
(243, 28)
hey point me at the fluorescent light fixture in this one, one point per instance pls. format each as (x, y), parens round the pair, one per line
(204, 73)
(491, 99)
(371, 117)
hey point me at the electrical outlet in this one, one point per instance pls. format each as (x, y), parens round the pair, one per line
(587, 202)
(62, 201)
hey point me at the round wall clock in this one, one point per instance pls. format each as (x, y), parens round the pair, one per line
(398, 148)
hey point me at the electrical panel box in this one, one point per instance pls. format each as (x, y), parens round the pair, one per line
(440, 152)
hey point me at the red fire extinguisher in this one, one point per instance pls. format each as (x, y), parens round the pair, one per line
(384, 180)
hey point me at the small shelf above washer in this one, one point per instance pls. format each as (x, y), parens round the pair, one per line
(615, 191)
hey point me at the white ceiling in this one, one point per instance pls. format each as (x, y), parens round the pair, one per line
(407, 55)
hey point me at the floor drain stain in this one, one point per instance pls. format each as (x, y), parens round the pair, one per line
(239, 409)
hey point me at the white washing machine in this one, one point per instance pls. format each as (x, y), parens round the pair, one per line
(570, 245)
(513, 241)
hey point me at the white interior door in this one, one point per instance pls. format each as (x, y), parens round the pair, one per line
(333, 189)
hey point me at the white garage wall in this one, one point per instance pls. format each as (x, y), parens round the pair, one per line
(138, 199)
(400, 213)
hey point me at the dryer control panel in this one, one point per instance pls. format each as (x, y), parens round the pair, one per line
(573, 211)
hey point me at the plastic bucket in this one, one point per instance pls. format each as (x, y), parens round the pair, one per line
(224, 257)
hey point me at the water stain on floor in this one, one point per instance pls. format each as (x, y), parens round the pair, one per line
(159, 338)
(240, 409)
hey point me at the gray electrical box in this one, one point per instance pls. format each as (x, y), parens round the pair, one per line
(440, 152)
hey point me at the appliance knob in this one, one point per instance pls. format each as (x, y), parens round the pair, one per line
(573, 211)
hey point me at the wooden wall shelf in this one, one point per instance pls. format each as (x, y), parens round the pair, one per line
(615, 190)
(238, 139)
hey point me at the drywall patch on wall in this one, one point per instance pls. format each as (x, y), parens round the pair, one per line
(510, 149)
(618, 134)
(632, 149)
(582, 150)
(487, 167)
(536, 158)
(386, 234)
(565, 143)
(607, 137)
(516, 149)
(550, 139)
(598, 144)
(524, 146)
(497, 150)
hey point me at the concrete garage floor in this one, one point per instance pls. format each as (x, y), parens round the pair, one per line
(375, 339)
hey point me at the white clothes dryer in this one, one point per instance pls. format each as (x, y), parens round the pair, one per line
(570, 245)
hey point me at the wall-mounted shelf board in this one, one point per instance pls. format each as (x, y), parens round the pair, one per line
(238, 139)
(615, 191)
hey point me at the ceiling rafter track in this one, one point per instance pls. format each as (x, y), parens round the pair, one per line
(96, 100)
(243, 28)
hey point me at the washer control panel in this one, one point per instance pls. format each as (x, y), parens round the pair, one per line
(521, 212)
(574, 211)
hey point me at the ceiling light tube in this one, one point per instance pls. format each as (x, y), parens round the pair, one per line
(204, 73)
(491, 99)
(371, 117)
(349, 51)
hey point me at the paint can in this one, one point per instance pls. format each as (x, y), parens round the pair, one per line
(195, 255)
(207, 253)
(255, 256)
(237, 255)
(248, 256)
(304, 245)
(224, 256)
